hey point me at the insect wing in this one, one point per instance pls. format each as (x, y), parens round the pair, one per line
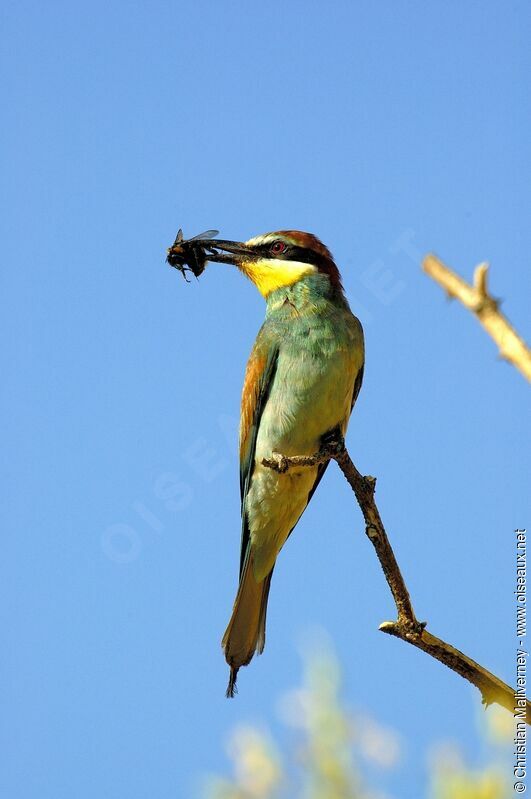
(208, 234)
(178, 238)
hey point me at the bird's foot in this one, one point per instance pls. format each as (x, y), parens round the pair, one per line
(332, 442)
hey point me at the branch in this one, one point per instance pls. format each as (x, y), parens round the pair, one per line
(478, 300)
(406, 627)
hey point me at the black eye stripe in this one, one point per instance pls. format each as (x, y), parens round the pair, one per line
(305, 255)
(292, 253)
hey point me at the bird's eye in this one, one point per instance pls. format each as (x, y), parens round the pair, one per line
(278, 247)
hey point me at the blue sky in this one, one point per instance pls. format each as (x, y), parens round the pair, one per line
(389, 130)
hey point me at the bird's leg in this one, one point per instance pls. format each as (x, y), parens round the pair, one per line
(333, 442)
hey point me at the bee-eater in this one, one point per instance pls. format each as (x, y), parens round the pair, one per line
(301, 382)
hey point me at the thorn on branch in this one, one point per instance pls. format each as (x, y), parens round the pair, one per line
(370, 482)
(406, 628)
(480, 279)
(371, 531)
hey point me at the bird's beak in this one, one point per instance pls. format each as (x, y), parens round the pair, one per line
(227, 252)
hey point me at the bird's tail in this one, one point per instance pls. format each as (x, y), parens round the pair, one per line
(245, 633)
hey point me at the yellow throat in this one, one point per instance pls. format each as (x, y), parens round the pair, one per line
(270, 274)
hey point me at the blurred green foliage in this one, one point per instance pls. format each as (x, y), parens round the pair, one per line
(332, 745)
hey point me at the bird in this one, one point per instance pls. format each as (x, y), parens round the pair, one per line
(301, 382)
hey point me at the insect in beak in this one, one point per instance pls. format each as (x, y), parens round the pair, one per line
(191, 255)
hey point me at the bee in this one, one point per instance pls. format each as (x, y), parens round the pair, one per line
(190, 255)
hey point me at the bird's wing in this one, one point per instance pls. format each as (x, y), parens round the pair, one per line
(259, 376)
(357, 386)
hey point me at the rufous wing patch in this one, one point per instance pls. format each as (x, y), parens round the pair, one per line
(250, 393)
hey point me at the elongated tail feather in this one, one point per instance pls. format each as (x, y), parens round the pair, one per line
(245, 633)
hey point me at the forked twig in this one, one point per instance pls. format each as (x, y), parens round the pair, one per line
(485, 307)
(406, 626)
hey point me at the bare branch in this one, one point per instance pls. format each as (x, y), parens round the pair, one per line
(406, 627)
(485, 307)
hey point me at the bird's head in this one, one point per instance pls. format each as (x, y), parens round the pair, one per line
(275, 260)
